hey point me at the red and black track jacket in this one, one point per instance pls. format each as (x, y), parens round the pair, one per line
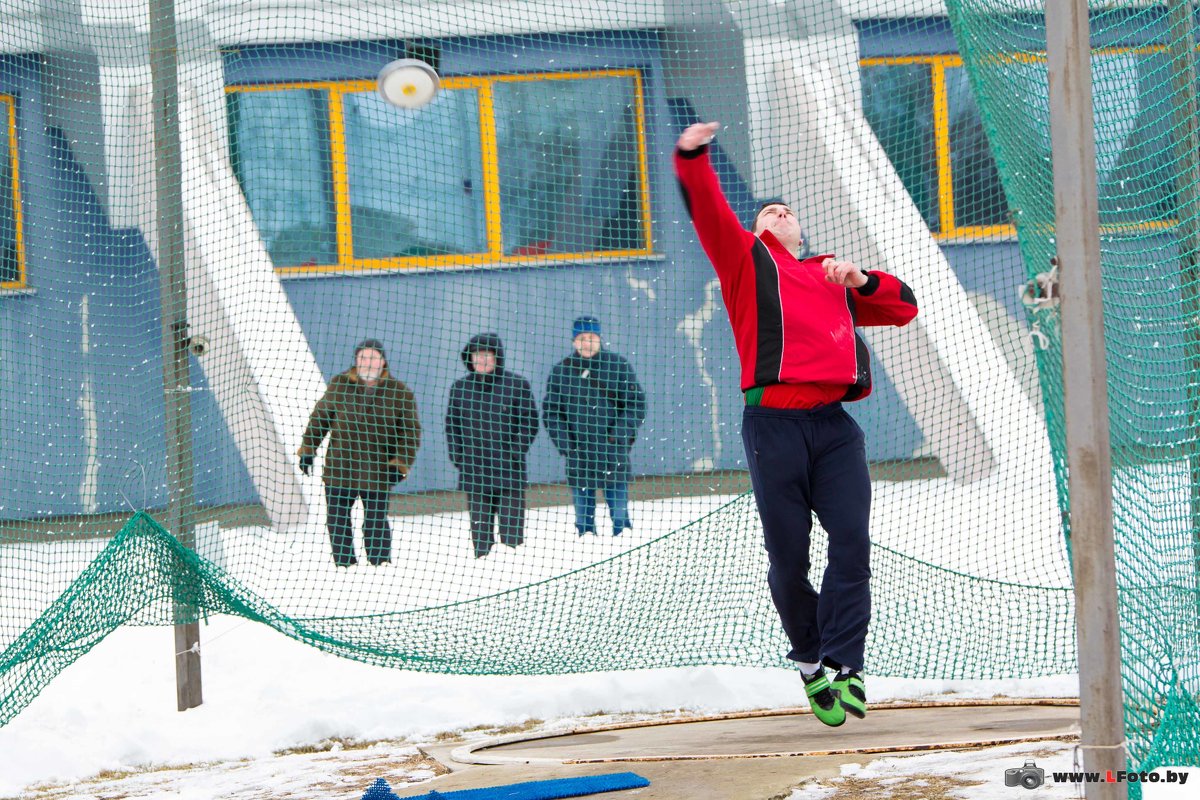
(791, 325)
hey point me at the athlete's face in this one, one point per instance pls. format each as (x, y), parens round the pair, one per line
(781, 221)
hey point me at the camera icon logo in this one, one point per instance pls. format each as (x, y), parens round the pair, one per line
(1030, 776)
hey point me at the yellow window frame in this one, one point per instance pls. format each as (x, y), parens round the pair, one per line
(938, 64)
(941, 120)
(484, 86)
(8, 107)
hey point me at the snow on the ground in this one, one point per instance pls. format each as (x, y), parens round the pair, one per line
(268, 697)
(972, 528)
(978, 775)
(433, 562)
(332, 773)
(114, 710)
(970, 775)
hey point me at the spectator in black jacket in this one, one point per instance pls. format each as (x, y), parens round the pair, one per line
(593, 408)
(491, 422)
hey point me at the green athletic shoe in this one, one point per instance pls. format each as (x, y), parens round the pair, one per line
(823, 699)
(851, 692)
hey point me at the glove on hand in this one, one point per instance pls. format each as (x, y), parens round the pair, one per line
(306, 464)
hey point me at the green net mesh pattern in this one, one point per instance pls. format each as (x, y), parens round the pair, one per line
(144, 576)
(144, 405)
(1143, 84)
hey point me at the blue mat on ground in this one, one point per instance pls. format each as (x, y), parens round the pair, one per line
(533, 790)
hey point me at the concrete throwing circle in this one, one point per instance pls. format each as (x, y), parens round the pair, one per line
(896, 727)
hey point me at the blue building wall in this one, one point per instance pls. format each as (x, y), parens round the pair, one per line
(424, 318)
(532, 308)
(70, 253)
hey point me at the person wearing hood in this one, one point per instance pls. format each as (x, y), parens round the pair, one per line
(491, 422)
(371, 420)
(593, 409)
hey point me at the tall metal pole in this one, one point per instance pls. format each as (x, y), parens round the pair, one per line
(1182, 51)
(1085, 390)
(168, 187)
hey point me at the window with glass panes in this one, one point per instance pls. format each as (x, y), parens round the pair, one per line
(497, 169)
(924, 114)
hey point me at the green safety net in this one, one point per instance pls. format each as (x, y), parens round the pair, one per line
(191, 266)
(1144, 86)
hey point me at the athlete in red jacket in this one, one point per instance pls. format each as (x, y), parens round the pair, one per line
(793, 322)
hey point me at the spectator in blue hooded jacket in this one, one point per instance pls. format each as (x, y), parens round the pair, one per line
(491, 421)
(593, 408)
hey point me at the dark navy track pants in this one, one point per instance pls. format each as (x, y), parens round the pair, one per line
(804, 462)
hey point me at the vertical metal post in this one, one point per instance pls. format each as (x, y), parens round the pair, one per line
(168, 188)
(1181, 49)
(1085, 390)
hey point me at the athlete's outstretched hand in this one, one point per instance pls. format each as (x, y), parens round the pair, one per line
(696, 135)
(843, 273)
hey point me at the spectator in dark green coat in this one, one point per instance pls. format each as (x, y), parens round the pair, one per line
(371, 420)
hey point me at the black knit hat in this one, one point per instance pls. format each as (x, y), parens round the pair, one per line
(370, 344)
